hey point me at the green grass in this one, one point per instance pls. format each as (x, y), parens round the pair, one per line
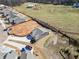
(63, 17)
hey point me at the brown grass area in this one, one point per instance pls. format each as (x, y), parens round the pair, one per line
(23, 28)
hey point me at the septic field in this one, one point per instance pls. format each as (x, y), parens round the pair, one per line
(62, 17)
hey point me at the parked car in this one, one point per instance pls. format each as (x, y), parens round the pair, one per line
(30, 5)
(76, 5)
(27, 48)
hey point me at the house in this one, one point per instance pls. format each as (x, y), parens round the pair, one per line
(6, 12)
(13, 18)
(38, 33)
(2, 6)
(16, 20)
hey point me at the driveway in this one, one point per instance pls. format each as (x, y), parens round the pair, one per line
(3, 34)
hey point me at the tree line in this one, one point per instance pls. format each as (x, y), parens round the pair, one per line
(18, 2)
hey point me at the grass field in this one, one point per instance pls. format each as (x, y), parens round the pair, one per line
(62, 17)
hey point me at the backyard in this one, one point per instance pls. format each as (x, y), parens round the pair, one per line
(64, 18)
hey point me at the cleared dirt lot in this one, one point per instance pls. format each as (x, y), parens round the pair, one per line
(23, 29)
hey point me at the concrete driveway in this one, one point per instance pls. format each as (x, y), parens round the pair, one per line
(3, 34)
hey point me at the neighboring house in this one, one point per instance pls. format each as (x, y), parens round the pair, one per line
(16, 20)
(2, 6)
(37, 34)
(6, 12)
(12, 18)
